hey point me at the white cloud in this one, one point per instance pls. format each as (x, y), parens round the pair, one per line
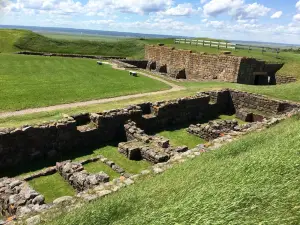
(235, 8)
(298, 5)
(185, 9)
(255, 10)
(276, 15)
(297, 17)
(216, 7)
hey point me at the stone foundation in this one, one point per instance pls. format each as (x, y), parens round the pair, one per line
(16, 198)
(213, 129)
(78, 178)
(140, 146)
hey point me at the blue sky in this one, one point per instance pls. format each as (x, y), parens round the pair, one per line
(260, 20)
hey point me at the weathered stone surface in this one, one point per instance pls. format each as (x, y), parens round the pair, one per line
(78, 178)
(64, 199)
(207, 67)
(213, 129)
(15, 195)
(33, 220)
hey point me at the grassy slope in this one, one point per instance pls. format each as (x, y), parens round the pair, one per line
(254, 180)
(31, 81)
(39, 43)
(8, 38)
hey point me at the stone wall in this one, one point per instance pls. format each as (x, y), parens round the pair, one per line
(285, 79)
(200, 66)
(89, 131)
(259, 103)
(16, 197)
(139, 145)
(69, 55)
(213, 129)
(78, 178)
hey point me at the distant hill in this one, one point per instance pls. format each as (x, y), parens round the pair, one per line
(16, 40)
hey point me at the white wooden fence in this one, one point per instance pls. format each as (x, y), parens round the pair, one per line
(226, 45)
(212, 44)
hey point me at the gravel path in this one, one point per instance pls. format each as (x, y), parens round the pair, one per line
(174, 88)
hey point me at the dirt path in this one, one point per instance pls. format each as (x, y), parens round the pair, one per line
(174, 88)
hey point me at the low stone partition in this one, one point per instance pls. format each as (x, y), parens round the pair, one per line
(213, 129)
(285, 79)
(139, 146)
(260, 103)
(78, 178)
(248, 116)
(69, 55)
(17, 198)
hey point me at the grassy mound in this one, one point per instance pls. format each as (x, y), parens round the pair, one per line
(251, 181)
(14, 40)
(8, 39)
(34, 81)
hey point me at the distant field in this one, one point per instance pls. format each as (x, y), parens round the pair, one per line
(68, 36)
(34, 81)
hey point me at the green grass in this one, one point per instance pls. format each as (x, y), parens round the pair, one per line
(8, 38)
(52, 187)
(182, 137)
(34, 81)
(254, 180)
(97, 167)
(111, 152)
(70, 37)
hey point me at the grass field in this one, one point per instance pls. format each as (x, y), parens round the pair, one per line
(111, 152)
(254, 180)
(97, 167)
(68, 37)
(52, 187)
(33, 81)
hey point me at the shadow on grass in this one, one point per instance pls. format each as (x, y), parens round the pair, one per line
(25, 168)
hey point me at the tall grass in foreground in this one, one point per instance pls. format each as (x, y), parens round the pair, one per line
(254, 180)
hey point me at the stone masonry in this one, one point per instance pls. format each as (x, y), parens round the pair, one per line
(213, 129)
(78, 178)
(16, 198)
(200, 66)
(45, 141)
(154, 149)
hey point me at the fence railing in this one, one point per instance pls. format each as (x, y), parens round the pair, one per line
(212, 44)
(226, 45)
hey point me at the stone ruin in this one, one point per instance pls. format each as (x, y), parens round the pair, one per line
(78, 178)
(184, 64)
(131, 128)
(213, 129)
(17, 197)
(154, 149)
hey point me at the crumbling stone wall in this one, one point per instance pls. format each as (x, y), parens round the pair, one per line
(78, 178)
(139, 146)
(16, 197)
(213, 129)
(285, 79)
(200, 66)
(89, 131)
